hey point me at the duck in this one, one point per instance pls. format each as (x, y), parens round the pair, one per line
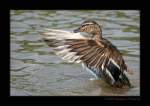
(98, 55)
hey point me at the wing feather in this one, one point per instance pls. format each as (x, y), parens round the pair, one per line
(101, 57)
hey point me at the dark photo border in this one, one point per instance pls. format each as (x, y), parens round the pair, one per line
(61, 5)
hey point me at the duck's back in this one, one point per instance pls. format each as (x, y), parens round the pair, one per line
(115, 69)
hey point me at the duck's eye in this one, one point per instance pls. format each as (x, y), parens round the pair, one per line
(86, 29)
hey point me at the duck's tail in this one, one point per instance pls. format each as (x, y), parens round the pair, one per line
(123, 80)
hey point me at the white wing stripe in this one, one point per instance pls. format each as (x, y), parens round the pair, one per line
(114, 63)
(112, 79)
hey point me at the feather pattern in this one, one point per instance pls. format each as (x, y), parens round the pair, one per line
(102, 59)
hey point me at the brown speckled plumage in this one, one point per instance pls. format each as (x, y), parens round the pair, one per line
(96, 53)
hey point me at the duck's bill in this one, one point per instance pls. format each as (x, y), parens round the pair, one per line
(76, 30)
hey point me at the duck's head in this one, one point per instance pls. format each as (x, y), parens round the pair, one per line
(91, 27)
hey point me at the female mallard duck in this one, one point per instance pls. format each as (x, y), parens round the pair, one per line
(99, 55)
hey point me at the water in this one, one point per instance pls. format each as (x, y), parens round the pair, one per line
(37, 71)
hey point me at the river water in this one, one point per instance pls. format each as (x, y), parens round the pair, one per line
(36, 71)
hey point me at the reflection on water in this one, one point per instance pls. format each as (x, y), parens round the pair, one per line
(35, 70)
